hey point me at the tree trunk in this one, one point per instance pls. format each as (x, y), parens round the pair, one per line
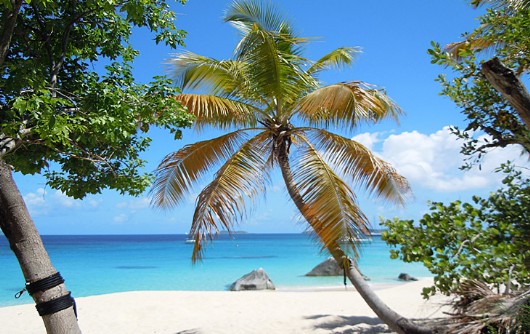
(508, 84)
(26, 243)
(395, 321)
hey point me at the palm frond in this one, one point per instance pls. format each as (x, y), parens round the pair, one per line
(346, 104)
(211, 110)
(260, 50)
(245, 14)
(363, 168)
(176, 174)
(512, 4)
(274, 73)
(219, 77)
(337, 58)
(329, 202)
(222, 203)
(474, 41)
(478, 40)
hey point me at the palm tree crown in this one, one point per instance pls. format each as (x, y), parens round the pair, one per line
(259, 95)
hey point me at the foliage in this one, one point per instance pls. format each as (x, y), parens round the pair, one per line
(486, 241)
(69, 105)
(272, 96)
(524, 316)
(504, 30)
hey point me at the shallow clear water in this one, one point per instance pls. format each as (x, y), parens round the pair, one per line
(93, 265)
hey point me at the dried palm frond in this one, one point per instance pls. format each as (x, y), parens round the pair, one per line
(346, 105)
(480, 310)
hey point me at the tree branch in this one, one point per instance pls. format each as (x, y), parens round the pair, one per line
(90, 157)
(508, 84)
(10, 22)
(64, 43)
(461, 248)
(8, 144)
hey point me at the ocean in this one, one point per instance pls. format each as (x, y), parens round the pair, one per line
(100, 264)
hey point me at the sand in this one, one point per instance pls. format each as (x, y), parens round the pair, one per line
(327, 310)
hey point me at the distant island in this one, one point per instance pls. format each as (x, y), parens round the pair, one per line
(373, 232)
(233, 232)
(377, 231)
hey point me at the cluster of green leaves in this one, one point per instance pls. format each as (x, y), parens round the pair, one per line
(488, 240)
(84, 128)
(507, 32)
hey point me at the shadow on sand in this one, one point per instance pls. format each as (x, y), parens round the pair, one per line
(190, 331)
(349, 325)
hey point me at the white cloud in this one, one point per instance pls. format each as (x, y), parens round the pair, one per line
(432, 161)
(368, 139)
(121, 218)
(36, 199)
(36, 202)
(93, 202)
(41, 203)
(63, 200)
(135, 204)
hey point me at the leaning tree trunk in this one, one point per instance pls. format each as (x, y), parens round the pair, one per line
(53, 301)
(395, 321)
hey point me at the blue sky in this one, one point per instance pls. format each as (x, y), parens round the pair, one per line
(394, 37)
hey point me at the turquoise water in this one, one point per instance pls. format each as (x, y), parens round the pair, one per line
(93, 265)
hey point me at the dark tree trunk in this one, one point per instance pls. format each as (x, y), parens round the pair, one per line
(395, 321)
(508, 84)
(26, 243)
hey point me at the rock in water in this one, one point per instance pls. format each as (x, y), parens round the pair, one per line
(255, 280)
(327, 268)
(406, 277)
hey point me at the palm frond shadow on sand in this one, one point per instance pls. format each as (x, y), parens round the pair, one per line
(190, 331)
(349, 325)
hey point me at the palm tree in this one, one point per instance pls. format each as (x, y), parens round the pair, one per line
(262, 93)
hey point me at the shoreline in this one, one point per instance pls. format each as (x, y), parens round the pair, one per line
(376, 286)
(198, 312)
(297, 288)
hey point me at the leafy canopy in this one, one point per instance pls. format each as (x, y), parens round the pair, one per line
(488, 240)
(271, 100)
(83, 128)
(505, 31)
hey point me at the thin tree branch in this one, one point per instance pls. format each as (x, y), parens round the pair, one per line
(65, 40)
(461, 248)
(10, 22)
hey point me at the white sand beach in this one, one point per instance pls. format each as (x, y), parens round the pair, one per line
(328, 310)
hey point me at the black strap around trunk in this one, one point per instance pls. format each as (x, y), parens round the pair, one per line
(44, 284)
(56, 305)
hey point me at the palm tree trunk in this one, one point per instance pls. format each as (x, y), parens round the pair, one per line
(395, 321)
(26, 243)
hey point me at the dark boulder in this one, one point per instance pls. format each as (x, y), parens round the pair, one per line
(406, 277)
(255, 280)
(327, 268)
